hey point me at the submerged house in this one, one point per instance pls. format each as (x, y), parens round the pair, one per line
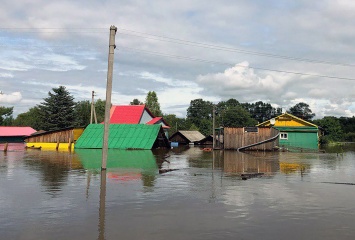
(123, 136)
(14, 137)
(187, 137)
(136, 114)
(294, 132)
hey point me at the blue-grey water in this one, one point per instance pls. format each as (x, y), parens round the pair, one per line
(61, 195)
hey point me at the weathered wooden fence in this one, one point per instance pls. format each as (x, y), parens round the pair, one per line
(235, 138)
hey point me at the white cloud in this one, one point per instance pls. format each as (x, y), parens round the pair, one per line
(14, 97)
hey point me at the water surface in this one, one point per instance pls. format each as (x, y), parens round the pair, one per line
(61, 195)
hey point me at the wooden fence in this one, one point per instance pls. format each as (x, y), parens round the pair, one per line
(235, 138)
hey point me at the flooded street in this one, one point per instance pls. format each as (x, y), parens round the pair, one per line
(61, 195)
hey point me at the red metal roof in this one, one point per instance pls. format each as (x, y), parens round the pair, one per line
(16, 131)
(126, 114)
(154, 120)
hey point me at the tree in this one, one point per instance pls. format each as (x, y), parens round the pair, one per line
(237, 117)
(30, 118)
(82, 111)
(151, 101)
(261, 111)
(302, 110)
(199, 113)
(331, 127)
(136, 102)
(57, 110)
(100, 110)
(6, 116)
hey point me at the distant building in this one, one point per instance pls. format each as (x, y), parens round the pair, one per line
(14, 137)
(294, 132)
(187, 137)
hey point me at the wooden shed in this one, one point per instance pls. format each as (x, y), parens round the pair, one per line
(251, 138)
(58, 139)
(187, 137)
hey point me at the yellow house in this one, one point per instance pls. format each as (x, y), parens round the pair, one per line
(294, 132)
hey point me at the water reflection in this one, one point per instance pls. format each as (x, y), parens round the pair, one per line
(102, 207)
(122, 165)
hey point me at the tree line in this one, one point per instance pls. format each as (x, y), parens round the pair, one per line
(59, 110)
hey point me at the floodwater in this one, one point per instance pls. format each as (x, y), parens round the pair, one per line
(61, 195)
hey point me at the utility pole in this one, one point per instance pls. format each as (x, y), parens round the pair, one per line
(111, 52)
(213, 126)
(93, 111)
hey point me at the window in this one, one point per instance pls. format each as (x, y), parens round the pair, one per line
(283, 136)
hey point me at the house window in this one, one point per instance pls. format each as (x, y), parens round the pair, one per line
(283, 136)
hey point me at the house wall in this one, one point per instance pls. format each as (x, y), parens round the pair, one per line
(235, 138)
(145, 117)
(178, 138)
(12, 139)
(305, 140)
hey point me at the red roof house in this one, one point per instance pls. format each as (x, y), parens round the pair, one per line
(14, 137)
(134, 114)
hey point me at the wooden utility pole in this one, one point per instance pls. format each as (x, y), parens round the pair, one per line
(111, 52)
(93, 111)
(213, 126)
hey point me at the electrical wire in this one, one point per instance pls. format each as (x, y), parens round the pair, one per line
(239, 65)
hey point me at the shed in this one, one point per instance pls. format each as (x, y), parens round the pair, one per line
(294, 132)
(123, 136)
(56, 139)
(14, 137)
(187, 137)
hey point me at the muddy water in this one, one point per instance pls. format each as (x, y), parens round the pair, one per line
(60, 195)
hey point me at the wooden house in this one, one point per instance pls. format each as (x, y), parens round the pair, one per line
(295, 133)
(62, 139)
(187, 137)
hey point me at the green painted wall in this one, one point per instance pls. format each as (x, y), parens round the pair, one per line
(302, 137)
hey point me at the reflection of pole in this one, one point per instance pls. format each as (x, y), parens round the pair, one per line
(113, 30)
(213, 126)
(102, 209)
(88, 184)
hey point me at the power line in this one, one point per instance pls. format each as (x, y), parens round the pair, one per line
(229, 49)
(178, 41)
(225, 63)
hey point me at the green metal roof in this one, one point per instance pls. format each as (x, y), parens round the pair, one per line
(122, 159)
(121, 136)
(297, 129)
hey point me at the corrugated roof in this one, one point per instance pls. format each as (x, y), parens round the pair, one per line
(193, 136)
(121, 136)
(154, 120)
(16, 131)
(126, 114)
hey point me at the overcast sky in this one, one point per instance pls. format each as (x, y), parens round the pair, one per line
(182, 50)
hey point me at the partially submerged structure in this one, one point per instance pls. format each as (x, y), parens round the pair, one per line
(136, 114)
(13, 138)
(123, 136)
(294, 132)
(62, 139)
(187, 137)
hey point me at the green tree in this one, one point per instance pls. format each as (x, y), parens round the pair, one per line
(331, 128)
(302, 110)
(199, 113)
(57, 110)
(237, 117)
(261, 111)
(30, 118)
(82, 111)
(136, 102)
(100, 110)
(151, 101)
(6, 116)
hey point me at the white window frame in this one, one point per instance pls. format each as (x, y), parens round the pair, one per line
(284, 135)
